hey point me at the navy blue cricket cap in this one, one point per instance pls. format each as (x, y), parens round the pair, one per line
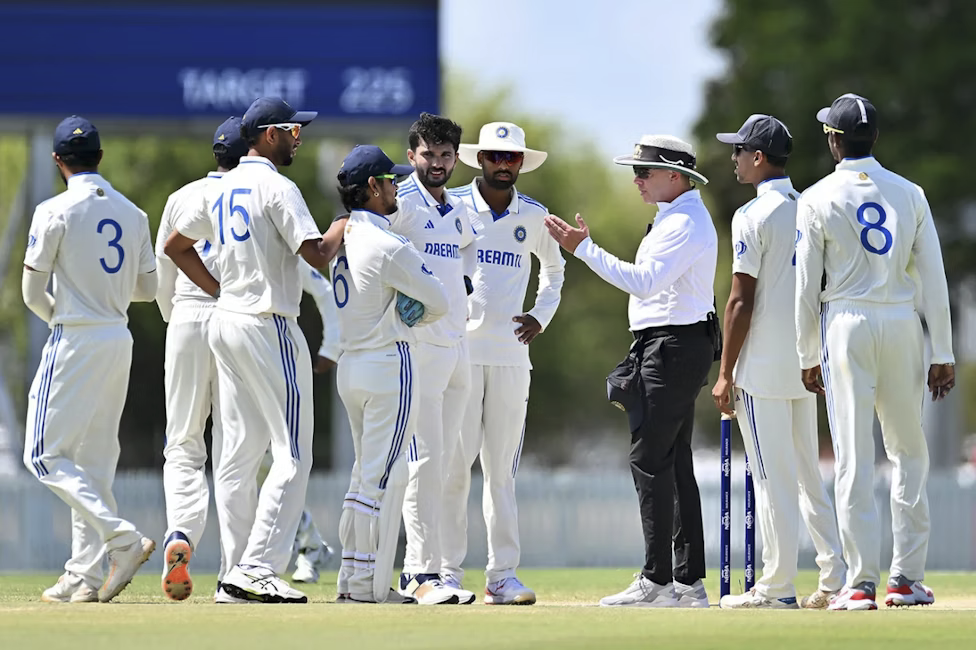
(265, 111)
(227, 140)
(761, 133)
(854, 116)
(76, 135)
(366, 160)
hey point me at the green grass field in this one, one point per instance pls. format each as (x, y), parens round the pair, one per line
(142, 619)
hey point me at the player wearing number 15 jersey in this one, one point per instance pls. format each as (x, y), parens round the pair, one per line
(259, 225)
(97, 245)
(864, 226)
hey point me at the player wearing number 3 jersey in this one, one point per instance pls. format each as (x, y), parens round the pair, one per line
(259, 225)
(97, 245)
(865, 226)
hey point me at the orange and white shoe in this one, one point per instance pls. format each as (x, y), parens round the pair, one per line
(858, 597)
(177, 551)
(903, 592)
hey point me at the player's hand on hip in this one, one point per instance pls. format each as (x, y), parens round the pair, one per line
(722, 396)
(813, 380)
(567, 236)
(410, 310)
(323, 365)
(942, 379)
(528, 329)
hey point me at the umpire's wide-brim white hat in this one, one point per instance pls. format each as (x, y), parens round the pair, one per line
(664, 152)
(501, 136)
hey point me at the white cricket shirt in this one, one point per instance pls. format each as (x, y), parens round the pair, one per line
(256, 220)
(864, 226)
(672, 280)
(174, 286)
(96, 243)
(504, 242)
(372, 265)
(320, 288)
(763, 245)
(442, 234)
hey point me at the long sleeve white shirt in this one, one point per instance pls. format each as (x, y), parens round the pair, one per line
(672, 281)
(504, 243)
(864, 226)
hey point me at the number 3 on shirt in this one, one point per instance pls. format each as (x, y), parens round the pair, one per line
(112, 243)
(234, 209)
(876, 225)
(336, 279)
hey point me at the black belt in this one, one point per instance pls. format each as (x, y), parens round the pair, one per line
(701, 327)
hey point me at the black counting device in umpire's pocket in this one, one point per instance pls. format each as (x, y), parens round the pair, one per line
(625, 387)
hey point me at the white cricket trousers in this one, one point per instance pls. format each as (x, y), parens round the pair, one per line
(377, 389)
(72, 436)
(780, 438)
(445, 381)
(494, 427)
(872, 359)
(264, 374)
(191, 396)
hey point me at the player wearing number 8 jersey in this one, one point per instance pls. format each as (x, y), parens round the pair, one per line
(259, 225)
(864, 226)
(97, 245)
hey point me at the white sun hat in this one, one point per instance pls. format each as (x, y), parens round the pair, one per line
(663, 152)
(501, 136)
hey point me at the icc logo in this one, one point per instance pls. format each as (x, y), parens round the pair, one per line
(457, 224)
(740, 249)
(520, 234)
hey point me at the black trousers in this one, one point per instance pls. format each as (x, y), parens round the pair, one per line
(674, 365)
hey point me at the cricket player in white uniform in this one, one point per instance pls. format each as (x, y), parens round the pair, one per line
(863, 226)
(508, 227)
(439, 226)
(375, 274)
(260, 226)
(776, 415)
(97, 245)
(190, 375)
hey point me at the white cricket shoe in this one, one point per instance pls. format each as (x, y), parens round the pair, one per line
(70, 588)
(305, 570)
(508, 591)
(177, 551)
(642, 593)
(693, 595)
(122, 566)
(817, 600)
(221, 597)
(752, 599)
(903, 592)
(427, 588)
(393, 598)
(451, 581)
(854, 598)
(260, 585)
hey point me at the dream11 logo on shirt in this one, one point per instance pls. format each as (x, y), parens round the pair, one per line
(234, 90)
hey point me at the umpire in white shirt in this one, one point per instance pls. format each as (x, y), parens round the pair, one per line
(672, 317)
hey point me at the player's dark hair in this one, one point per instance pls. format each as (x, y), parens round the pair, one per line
(434, 129)
(857, 148)
(354, 197)
(226, 162)
(80, 162)
(776, 161)
(250, 139)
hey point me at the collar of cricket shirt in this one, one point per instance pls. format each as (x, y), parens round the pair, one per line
(867, 163)
(378, 220)
(781, 184)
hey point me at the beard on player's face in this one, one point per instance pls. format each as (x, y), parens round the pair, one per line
(434, 164)
(285, 150)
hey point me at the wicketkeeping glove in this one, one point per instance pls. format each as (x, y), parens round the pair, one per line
(410, 310)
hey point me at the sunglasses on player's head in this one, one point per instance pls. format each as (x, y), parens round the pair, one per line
(294, 127)
(498, 157)
(830, 129)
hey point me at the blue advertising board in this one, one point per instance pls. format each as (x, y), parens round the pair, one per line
(178, 61)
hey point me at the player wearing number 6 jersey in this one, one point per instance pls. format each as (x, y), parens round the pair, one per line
(97, 245)
(864, 226)
(259, 225)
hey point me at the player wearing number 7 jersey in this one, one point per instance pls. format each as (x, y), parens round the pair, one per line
(97, 245)
(864, 226)
(259, 225)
